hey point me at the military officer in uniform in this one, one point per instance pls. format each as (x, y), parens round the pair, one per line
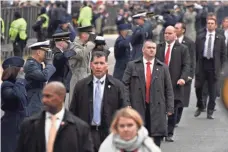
(138, 36)
(62, 51)
(122, 51)
(79, 63)
(36, 75)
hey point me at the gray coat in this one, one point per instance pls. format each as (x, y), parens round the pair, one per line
(189, 19)
(36, 77)
(79, 64)
(161, 93)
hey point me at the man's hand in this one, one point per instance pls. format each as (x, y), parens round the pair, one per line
(181, 82)
(169, 113)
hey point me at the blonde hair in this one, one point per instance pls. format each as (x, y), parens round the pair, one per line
(127, 113)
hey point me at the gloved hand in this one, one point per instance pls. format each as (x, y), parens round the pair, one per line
(92, 37)
(49, 57)
(21, 74)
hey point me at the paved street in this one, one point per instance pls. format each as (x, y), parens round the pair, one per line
(193, 134)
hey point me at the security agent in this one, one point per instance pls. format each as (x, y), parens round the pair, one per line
(36, 75)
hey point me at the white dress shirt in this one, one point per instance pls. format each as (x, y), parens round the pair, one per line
(206, 43)
(180, 39)
(226, 36)
(171, 49)
(102, 89)
(145, 66)
(59, 117)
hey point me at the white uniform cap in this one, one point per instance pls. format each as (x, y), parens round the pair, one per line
(43, 45)
(140, 15)
(100, 38)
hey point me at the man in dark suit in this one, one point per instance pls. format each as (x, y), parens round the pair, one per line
(176, 56)
(225, 29)
(97, 97)
(54, 129)
(210, 56)
(148, 87)
(182, 39)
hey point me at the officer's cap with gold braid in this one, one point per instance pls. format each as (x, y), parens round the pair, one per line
(63, 36)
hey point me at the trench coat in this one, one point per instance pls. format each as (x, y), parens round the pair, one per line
(80, 63)
(14, 102)
(161, 93)
(73, 135)
(36, 77)
(189, 19)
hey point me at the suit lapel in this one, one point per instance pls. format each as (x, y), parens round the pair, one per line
(156, 71)
(173, 52)
(162, 58)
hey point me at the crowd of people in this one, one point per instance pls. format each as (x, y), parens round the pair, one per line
(63, 98)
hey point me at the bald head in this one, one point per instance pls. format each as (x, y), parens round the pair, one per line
(170, 35)
(57, 87)
(53, 96)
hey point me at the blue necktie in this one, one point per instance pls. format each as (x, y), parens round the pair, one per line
(97, 104)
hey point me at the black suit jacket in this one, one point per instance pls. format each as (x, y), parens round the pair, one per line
(219, 55)
(192, 53)
(179, 65)
(113, 99)
(73, 135)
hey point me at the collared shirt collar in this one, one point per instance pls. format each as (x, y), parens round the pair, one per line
(59, 115)
(180, 39)
(145, 61)
(101, 79)
(213, 33)
(171, 44)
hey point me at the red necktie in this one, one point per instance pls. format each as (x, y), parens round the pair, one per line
(148, 80)
(167, 55)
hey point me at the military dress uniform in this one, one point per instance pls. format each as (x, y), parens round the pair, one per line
(79, 63)
(37, 76)
(13, 103)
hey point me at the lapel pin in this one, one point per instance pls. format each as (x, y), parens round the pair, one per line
(62, 123)
(157, 69)
(109, 86)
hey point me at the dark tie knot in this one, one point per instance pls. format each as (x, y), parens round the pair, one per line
(148, 63)
(210, 35)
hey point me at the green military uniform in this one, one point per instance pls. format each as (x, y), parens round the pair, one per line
(18, 35)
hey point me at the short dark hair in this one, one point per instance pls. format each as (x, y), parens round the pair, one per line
(10, 73)
(183, 25)
(99, 54)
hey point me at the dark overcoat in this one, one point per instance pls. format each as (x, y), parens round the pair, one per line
(73, 135)
(113, 99)
(161, 93)
(192, 52)
(219, 55)
(36, 77)
(122, 56)
(13, 103)
(178, 67)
